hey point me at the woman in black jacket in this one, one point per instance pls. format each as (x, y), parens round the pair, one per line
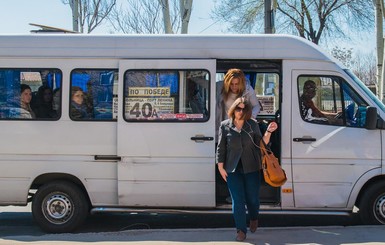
(239, 162)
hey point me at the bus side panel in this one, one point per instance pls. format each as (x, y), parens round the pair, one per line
(189, 184)
(98, 178)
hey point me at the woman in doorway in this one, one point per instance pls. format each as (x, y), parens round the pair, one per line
(233, 86)
(239, 162)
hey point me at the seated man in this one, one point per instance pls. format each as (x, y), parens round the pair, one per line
(310, 112)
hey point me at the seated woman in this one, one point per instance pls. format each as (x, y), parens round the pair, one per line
(44, 105)
(78, 108)
(25, 100)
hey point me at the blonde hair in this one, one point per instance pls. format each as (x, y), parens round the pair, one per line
(230, 75)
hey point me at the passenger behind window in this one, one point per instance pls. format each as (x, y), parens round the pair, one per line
(25, 100)
(56, 101)
(310, 112)
(44, 103)
(78, 108)
(195, 99)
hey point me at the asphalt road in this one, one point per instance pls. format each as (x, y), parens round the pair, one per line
(20, 222)
(17, 227)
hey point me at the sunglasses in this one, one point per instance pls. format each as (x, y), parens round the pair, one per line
(238, 109)
(311, 88)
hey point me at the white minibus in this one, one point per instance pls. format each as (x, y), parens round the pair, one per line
(115, 123)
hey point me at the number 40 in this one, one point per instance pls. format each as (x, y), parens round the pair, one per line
(146, 110)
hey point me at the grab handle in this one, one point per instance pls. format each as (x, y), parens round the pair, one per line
(304, 139)
(107, 158)
(201, 138)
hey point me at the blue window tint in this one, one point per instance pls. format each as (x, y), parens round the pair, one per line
(166, 95)
(96, 87)
(28, 93)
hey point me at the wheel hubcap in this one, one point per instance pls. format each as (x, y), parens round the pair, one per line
(58, 208)
(380, 209)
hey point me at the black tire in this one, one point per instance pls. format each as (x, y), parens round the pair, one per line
(59, 207)
(372, 205)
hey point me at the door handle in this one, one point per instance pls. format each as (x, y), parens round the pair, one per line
(202, 138)
(304, 139)
(107, 158)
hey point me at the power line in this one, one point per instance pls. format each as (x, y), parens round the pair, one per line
(209, 26)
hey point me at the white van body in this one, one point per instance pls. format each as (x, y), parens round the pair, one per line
(121, 164)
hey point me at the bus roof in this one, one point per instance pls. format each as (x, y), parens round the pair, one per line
(264, 46)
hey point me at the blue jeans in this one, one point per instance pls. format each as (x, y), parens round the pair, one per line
(244, 189)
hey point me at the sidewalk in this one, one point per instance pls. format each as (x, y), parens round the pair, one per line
(337, 235)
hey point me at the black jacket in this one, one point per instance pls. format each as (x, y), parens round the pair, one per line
(234, 146)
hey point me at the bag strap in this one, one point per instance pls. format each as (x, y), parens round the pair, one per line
(263, 147)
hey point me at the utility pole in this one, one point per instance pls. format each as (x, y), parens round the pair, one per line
(75, 15)
(269, 16)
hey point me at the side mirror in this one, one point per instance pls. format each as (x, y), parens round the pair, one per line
(371, 117)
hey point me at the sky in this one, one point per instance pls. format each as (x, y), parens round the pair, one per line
(17, 14)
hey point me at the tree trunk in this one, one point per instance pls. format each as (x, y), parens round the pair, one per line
(75, 14)
(380, 49)
(185, 13)
(166, 16)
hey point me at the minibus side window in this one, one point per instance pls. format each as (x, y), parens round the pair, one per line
(30, 94)
(330, 100)
(267, 91)
(166, 95)
(93, 95)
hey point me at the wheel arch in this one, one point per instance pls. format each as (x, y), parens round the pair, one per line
(51, 177)
(371, 182)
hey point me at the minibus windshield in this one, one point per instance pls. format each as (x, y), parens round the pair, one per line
(366, 89)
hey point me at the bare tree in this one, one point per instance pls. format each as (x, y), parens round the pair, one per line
(89, 14)
(310, 19)
(137, 17)
(363, 65)
(185, 8)
(380, 15)
(344, 55)
(149, 16)
(166, 15)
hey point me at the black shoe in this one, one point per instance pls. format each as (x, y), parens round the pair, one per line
(241, 236)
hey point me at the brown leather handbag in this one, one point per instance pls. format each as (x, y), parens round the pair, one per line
(273, 173)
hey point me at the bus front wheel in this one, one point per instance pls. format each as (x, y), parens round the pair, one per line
(372, 207)
(59, 207)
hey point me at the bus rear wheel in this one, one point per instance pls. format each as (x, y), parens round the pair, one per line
(59, 207)
(372, 207)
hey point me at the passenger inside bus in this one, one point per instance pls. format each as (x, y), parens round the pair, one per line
(56, 101)
(44, 103)
(195, 99)
(310, 112)
(25, 100)
(78, 108)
